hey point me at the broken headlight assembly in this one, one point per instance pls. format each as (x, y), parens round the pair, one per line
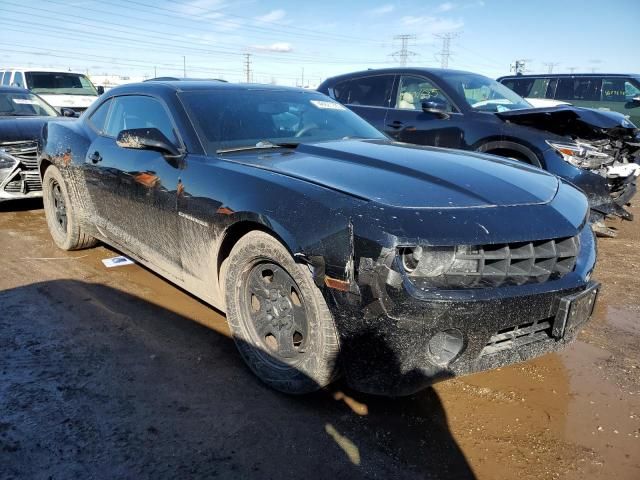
(582, 155)
(7, 164)
(491, 265)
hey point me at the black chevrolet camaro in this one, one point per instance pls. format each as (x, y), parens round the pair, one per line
(332, 250)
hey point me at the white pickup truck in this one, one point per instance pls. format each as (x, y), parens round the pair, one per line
(60, 89)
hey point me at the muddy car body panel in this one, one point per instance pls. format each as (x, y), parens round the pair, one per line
(22, 116)
(471, 112)
(349, 210)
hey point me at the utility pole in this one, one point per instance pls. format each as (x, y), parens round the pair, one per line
(445, 53)
(404, 53)
(572, 69)
(519, 66)
(550, 66)
(302, 81)
(247, 66)
(155, 72)
(184, 66)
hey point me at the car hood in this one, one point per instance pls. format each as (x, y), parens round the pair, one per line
(408, 176)
(16, 129)
(573, 121)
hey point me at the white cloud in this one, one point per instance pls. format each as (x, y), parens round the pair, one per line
(382, 9)
(279, 47)
(445, 7)
(272, 16)
(432, 24)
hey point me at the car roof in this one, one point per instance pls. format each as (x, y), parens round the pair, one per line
(36, 69)
(197, 85)
(554, 75)
(400, 70)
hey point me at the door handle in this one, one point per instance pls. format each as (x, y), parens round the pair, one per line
(95, 157)
(395, 124)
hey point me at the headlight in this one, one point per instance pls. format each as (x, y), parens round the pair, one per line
(7, 163)
(582, 155)
(6, 160)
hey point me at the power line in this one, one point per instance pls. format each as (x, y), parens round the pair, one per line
(550, 66)
(404, 52)
(445, 53)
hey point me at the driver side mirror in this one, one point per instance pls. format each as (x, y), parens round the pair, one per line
(68, 112)
(147, 139)
(435, 106)
(100, 90)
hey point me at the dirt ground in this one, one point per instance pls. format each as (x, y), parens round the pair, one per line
(102, 375)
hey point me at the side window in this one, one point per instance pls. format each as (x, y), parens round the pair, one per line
(98, 119)
(371, 91)
(539, 88)
(415, 90)
(136, 111)
(618, 89)
(341, 91)
(18, 80)
(522, 86)
(6, 78)
(579, 88)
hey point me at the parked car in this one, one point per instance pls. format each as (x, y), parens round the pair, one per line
(606, 91)
(22, 116)
(61, 89)
(447, 108)
(330, 248)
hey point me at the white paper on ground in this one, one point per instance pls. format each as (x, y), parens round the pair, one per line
(117, 261)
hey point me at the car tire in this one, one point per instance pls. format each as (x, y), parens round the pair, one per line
(63, 224)
(278, 317)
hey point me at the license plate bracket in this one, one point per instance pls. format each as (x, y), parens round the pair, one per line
(574, 310)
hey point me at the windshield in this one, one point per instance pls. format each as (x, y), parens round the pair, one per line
(228, 119)
(484, 94)
(18, 104)
(58, 83)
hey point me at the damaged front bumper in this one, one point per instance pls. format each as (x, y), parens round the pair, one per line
(19, 176)
(406, 338)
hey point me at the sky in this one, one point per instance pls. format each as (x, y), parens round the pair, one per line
(291, 42)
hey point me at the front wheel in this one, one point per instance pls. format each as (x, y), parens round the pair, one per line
(278, 317)
(63, 224)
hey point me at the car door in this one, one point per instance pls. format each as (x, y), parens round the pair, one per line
(618, 95)
(407, 122)
(369, 97)
(134, 191)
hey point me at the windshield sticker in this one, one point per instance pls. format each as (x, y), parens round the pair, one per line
(24, 101)
(327, 105)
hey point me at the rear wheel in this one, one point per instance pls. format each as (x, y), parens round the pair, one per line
(279, 319)
(63, 224)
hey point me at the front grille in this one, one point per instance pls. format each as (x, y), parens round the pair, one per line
(26, 152)
(24, 182)
(519, 335)
(495, 265)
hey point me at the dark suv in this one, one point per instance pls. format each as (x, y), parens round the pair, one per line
(447, 108)
(615, 92)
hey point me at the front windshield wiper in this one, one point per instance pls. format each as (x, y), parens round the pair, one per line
(261, 145)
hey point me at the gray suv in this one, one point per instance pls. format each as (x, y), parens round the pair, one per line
(615, 92)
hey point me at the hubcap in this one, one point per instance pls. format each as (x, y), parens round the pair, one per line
(59, 206)
(276, 312)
